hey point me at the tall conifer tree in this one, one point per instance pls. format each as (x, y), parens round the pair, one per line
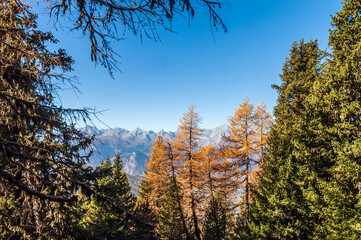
(157, 174)
(263, 126)
(215, 221)
(163, 192)
(187, 145)
(337, 160)
(97, 219)
(210, 170)
(245, 145)
(280, 209)
(171, 221)
(39, 143)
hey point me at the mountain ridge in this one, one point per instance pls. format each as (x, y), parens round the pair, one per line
(134, 146)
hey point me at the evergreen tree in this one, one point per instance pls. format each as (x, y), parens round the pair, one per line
(102, 182)
(215, 222)
(171, 224)
(97, 219)
(39, 143)
(280, 209)
(145, 211)
(122, 191)
(337, 101)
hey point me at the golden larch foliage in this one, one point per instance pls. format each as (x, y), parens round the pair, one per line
(245, 145)
(158, 169)
(209, 170)
(263, 126)
(202, 171)
(228, 180)
(187, 144)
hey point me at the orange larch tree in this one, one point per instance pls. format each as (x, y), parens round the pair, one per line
(209, 166)
(228, 180)
(161, 178)
(187, 145)
(156, 174)
(245, 144)
(263, 125)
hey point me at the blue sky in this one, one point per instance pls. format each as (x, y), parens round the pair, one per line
(159, 80)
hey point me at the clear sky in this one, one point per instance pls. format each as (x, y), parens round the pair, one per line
(159, 80)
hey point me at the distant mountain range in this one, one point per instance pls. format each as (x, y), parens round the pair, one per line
(134, 146)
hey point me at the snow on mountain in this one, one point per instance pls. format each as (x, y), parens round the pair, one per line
(134, 146)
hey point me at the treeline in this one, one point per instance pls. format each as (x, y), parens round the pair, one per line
(192, 191)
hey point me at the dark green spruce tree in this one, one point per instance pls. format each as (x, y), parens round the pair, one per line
(98, 220)
(280, 209)
(215, 222)
(171, 225)
(144, 210)
(39, 144)
(122, 190)
(337, 161)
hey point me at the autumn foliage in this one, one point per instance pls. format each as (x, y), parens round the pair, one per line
(200, 171)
